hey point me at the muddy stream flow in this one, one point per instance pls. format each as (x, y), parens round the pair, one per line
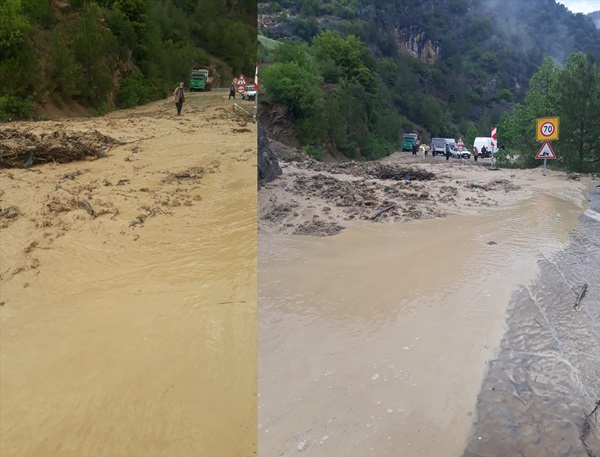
(376, 341)
(134, 333)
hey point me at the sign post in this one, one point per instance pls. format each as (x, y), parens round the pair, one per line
(241, 85)
(546, 152)
(546, 131)
(460, 145)
(256, 94)
(494, 142)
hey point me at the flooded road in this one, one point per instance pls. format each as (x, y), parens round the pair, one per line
(375, 341)
(121, 338)
(546, 378)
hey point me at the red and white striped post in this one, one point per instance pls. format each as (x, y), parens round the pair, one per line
(494, 142)
(256, 94)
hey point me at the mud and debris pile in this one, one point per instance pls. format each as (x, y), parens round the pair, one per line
(318, 228)
(373, 170)
(20, 148)
(389, 190)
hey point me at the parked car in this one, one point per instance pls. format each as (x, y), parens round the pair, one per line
(456, 154)
(249, 93)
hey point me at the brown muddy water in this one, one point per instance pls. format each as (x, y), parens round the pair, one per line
(134, 341)
(376, 341)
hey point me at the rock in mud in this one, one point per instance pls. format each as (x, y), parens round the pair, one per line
(268, 166)
(302, 446)
(12, 212)
(318, 228)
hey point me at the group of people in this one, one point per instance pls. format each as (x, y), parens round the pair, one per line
(179, 95)
(484, 152)
(434, 151)
(447, 152)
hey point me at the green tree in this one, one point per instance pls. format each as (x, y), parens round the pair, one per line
(579, 101)
(94, 48)
(64, 71)
(295, 87)
(292, 51)
(19, 67)
(349, 54)
(14, 27)
(518, 131)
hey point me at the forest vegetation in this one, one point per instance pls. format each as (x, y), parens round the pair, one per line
(116, 53)
(356, 75)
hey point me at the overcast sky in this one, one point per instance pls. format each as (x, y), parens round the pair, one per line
(581, 6)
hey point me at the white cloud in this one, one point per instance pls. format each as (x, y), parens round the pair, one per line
(581, 6)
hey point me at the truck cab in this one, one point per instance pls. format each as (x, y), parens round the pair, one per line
(200, 81)
(408, 140)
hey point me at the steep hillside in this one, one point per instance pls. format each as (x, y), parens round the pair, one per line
(71, 56)
(450, 67)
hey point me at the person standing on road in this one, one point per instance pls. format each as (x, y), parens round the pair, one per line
(232, 91)
(414, 149)
(179, 96)
(433, 151)
(483, 152)
(475, 153)
(447, 151)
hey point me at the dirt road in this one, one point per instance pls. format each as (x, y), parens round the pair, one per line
(128, 287)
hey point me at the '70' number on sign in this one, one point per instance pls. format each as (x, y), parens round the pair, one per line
(547, 128)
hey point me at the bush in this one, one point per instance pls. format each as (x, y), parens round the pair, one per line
(13, 108)
(136, 89)
(314, 152)
(131, 91)
(293, 86)
(374, 148)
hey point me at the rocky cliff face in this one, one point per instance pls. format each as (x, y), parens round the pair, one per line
(268, 166)
(415, 43)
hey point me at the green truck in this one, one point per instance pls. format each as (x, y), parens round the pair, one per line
(408, 139)
(201, 80)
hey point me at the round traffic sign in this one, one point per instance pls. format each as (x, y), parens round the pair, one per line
(547, 129)
(240, 89)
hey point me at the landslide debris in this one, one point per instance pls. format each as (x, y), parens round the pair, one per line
(20, 148)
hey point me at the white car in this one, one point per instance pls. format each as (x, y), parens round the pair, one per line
(249, 93)
(456, 154)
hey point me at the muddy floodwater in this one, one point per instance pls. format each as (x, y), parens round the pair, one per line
(546, 378)
(133, 333)
(376, 341)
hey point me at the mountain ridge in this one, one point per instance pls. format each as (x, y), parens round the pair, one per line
(471, 59)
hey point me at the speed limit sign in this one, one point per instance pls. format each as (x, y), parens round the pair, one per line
(547, 129)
